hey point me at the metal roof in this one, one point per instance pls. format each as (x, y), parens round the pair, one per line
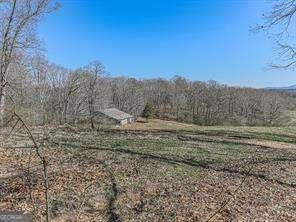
(115, 114)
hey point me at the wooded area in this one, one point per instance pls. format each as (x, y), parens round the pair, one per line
(47, 93)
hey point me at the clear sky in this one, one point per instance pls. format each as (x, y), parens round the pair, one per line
(198, 39)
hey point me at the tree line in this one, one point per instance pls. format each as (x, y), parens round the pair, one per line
(47, 93)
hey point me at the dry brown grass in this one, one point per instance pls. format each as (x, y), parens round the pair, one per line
(151, 174)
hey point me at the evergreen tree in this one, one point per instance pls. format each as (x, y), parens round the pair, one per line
(148, 111)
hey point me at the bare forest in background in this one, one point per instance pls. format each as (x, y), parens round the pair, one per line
(46, 93)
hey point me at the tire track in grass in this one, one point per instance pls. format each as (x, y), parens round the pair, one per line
(189, 162)
(112, 215)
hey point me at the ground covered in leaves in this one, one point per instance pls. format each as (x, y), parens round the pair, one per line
(151, 174)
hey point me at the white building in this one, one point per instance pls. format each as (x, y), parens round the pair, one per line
(113, 115)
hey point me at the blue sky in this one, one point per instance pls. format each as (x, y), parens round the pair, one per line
(198, 39)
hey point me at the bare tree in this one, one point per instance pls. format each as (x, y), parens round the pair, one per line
(72, 86)
(18, 20)
(127, 95)
(92, 73)
(279, 24)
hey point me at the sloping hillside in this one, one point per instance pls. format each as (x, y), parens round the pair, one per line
(153, 172)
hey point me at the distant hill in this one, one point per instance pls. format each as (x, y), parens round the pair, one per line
(291, 88)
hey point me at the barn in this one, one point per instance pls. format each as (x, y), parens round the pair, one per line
(114, 116)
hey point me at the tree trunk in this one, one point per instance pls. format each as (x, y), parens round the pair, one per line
(91, 114)
(2, 102)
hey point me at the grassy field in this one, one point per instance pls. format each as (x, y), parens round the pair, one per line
(284, 134)
(156, 171)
